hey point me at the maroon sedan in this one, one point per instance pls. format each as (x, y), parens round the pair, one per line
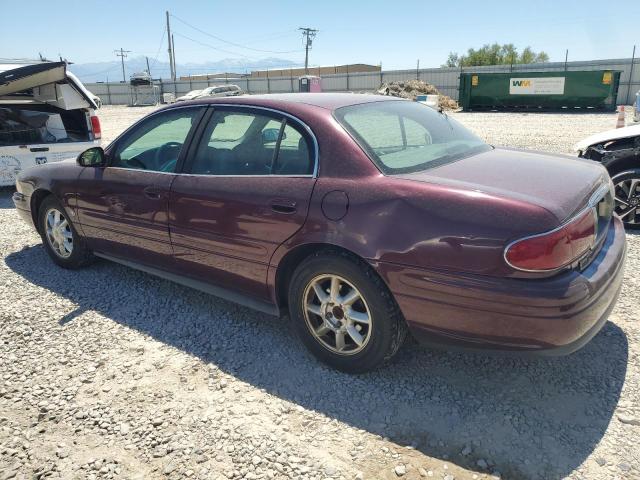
(363, 217)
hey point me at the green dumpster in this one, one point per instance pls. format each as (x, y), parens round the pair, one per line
(592, 89)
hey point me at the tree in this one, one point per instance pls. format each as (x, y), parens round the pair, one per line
(495, 54)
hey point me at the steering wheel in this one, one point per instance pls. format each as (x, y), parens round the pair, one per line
(163, 149)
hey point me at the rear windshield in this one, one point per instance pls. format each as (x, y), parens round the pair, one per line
(403, 136)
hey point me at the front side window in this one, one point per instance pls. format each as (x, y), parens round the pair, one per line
(404, 137)
(155, 144)
(251, 143)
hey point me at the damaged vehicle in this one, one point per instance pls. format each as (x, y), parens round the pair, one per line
(189, 96)
(359, 217)
(220, 91)
(618, 151)
(141, 78)
(46, 115)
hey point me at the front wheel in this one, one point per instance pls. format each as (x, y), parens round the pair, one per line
(343, 313)
(60, 238)
(627, 197)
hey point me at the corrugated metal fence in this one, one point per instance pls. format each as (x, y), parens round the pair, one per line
(445, 79)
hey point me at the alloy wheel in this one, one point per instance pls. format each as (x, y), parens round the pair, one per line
(628, 200)
(59, 234)
(337, 314)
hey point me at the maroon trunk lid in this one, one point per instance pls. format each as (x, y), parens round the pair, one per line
(561, 185)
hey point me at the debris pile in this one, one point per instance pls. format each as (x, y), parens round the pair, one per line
(413, 88)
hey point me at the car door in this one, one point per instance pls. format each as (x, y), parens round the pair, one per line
(246, 189)
(123, 207)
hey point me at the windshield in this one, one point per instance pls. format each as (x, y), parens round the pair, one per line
(404, 137)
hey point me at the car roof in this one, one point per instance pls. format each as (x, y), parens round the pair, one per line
(329, 101)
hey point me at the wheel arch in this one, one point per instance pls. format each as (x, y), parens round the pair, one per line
(626, 163)
(37, 197)
(297, 255)
(621, 154)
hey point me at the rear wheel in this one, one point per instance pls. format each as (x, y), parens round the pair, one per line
(59, 237)
(627, 197)
(343, 313)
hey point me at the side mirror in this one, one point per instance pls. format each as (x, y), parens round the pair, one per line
(270, 135)
(92, 157)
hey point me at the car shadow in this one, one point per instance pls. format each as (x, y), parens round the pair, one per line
(5, 197)
(530, 417)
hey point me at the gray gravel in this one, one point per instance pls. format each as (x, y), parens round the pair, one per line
(550, 132)
(111, 373)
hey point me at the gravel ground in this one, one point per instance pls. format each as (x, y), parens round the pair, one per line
(111, 373)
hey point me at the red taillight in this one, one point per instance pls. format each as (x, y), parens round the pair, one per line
(95, 127)
(553, 250)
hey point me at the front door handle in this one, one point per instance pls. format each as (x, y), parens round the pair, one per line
(154, 193)
(284, 206)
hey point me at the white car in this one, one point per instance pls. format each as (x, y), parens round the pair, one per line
(46, 115)
(618, 150)
(189, 96)
(221, 91)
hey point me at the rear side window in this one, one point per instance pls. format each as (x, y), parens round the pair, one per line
(252, 143)
(294, 155)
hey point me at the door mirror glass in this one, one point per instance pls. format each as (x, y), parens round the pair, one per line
(270, 135)
(93, 157)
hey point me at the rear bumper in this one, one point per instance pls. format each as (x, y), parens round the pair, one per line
(554, 316)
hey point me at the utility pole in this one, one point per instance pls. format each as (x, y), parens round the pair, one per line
(308, 34)
(122, 54)
(172, 66)
(633, 58)
(566, 58)
(148, 69)
(173, 52)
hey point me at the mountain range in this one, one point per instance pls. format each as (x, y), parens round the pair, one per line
(112, 71)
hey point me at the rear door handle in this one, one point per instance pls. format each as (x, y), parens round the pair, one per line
(154, 193)
(284, 206)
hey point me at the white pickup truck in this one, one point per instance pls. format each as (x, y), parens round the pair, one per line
(46, 115)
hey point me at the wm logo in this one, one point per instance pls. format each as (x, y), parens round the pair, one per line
(521, 83)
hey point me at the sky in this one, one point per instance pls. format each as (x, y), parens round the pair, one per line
(395, 34)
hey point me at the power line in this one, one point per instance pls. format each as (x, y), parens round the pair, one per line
(122, 54)
(231, 43)
(308, 34)
(164, 32)
(92, 74)
(211, 46)
(271, 36)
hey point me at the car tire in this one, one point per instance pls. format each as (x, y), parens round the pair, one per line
(66, 247)
(361, 311)
(629, 213)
